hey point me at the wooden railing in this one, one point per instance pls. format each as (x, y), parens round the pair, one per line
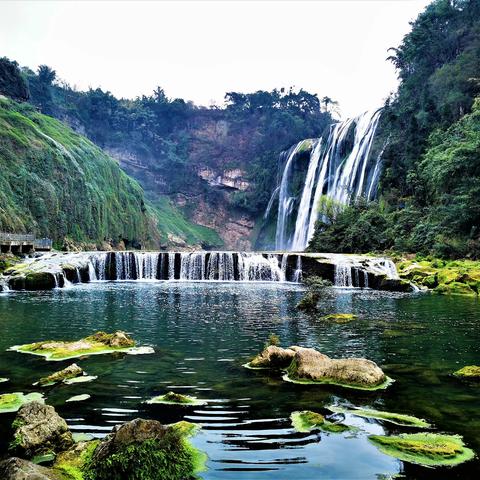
(17, 237)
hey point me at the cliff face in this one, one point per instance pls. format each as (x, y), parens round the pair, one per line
(56, 183)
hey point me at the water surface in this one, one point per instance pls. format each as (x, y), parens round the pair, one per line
(202, 333)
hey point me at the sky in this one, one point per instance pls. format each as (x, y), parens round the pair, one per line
(198, 50)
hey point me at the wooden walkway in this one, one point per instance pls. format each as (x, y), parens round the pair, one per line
(23, 243)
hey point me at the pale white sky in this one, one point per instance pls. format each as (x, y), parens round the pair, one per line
(199, 50)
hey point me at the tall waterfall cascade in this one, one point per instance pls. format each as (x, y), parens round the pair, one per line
(341, 169)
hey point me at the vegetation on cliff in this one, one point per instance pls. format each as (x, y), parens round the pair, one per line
(431, 168)
(57, 183)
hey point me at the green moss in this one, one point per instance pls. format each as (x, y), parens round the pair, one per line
(172, 398)
(470, 371)
(396, 418)
(11, 402)
(57, 350)
(57, 183)
(72, 463)
(427, 449)
(339, 317)
(308, 420)
(170, 458)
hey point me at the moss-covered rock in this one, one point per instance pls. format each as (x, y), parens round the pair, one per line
(67, 373)
(96, 344)
(429, 449)
(339, 317)
(396, 418)
(144, 449)
(307, 420)
(11, 402)
(471, 372)
(172, 398)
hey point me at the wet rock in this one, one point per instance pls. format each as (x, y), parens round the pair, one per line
(33, 281)
(72, 371)
(19, 469)
(273, 357)
(39, 429)
(309, 366)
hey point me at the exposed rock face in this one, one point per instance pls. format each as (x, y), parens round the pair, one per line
(40, 429)
(71, 371)
(134, 432)
(234, 228)
(18, 469)
(273, 357)
(117, 339)
(310, 365)
(233, 179)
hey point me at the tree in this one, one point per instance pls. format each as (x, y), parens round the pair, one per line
(12, 81)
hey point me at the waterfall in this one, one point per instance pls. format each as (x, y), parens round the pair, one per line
(340, 170)
(343, 275)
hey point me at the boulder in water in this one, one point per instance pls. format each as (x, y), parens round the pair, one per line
(307, 420)
(147, 449)
(172, 398)
(33, 281)
(72, 371)
(38, 430)
(311, 366)
(272, 357)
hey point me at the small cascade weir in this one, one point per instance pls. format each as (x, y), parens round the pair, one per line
(341, 169)
(194, 266)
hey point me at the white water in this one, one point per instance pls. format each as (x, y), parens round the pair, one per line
(336, 171)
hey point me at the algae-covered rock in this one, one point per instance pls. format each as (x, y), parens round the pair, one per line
(172, 398)
(272, 357)
(38, 430)
(32, 281)
(72, 463)
(429, 449)
(396, 418)
(11, 402)
(67, 373)
(19, 469)
(471, 372)
(144, 449)
(307, 420)
(96, 344)
(311, 366)
(339, 317)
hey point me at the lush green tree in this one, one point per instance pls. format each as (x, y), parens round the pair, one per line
(12, 81)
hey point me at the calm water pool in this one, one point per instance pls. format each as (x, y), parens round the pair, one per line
(203, 333)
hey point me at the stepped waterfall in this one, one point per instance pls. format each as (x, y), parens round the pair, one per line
(340, 169)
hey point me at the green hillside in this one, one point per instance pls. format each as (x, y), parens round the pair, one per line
(56, 183)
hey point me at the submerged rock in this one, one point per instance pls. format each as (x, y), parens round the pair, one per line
(96, 344)
(11, 402)
(307, 420)
(311, 366)
(19, 469)
(67, 373)
(396, 418)
(339, 317)
(38, 430)
(144, 449)
(428, 449)
(172, 398)
(272, 357)
(471, 372)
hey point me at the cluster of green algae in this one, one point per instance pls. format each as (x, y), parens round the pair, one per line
(172, 398)
(64, 350)
(307, 420)
(470, 372)
(455, 277)
(339, 317)
(11, 402)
